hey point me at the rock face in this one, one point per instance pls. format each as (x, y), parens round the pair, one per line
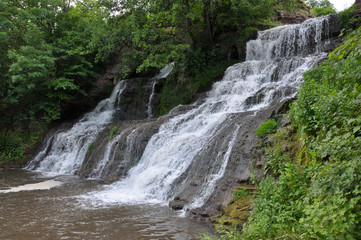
(333, 35)
(105, 80)
(111, 158)
(299, 15)
(177, 203)
(238, 169)
(357, 11)
(140, 98)
(286, 17)
(101, 89)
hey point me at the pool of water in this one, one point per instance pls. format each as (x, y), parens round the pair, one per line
(36, 207)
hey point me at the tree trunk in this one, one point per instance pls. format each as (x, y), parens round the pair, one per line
(188, 24)
(207, 15)
(66, 5)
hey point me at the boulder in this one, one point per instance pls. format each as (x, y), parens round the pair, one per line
(177, 203)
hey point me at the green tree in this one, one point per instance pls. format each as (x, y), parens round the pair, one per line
(321, 7)
(46, 55)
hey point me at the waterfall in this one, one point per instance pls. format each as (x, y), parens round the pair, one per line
(65, 151)
(164, 73)
(103, 165)
(187, 154)
(151, 99)
(213, 178)
(272, 73)
(289, 40)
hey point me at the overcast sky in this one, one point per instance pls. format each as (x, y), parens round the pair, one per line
(342, 4)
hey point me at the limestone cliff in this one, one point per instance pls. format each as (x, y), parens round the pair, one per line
(297, 13)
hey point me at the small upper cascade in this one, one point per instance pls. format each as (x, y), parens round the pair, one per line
(65, 151)
(289, 40)
(150, 110)
(164, 73)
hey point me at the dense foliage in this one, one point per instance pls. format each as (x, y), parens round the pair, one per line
(51, 51)
(321, 7)
(46, 57)
(46, 60)
(202, 38)
(317, 193)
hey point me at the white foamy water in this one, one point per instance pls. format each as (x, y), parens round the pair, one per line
(66, 150)
(46, 185)
(273, 72)
(164, 73)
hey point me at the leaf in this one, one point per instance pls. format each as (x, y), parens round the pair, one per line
(355, 129)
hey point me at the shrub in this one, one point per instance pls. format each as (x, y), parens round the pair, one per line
(90, 148)
(266, 127)
(347, 22)
(10, 149)
(112, 133)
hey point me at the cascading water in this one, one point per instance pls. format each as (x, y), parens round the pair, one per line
(164, 73)
(272, 73)
(150, 102)
(104, 164)
(65, 151)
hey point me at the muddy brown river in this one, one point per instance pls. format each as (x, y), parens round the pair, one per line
(35, 207)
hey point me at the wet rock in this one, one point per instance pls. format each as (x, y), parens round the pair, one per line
(133, 102)
(205, 215)
(177, 203)
(127, 148)
(331, 45)
(334, 26)
(195, 183)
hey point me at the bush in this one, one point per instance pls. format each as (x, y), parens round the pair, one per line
(113, 132)
(17, 143)
(10, 149)
(266, 127)
(90, 148)
(319, 11)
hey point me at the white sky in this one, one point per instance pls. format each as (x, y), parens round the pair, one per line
(342, 4)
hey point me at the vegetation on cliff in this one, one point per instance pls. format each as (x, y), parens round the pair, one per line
(321, 7)
(311, 188)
